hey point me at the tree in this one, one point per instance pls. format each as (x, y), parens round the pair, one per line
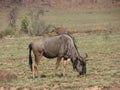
(13, 17)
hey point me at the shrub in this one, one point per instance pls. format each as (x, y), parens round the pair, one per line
(38, 27)
(8, 32)
(24, 25)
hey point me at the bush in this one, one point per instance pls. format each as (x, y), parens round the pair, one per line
(8, 32)
(24, 25)
(38, 27)
(37, 24)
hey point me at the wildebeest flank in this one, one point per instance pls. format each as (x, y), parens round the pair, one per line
(61, 46)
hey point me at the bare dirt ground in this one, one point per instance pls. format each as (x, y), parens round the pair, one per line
(7, 75)
(56, 87)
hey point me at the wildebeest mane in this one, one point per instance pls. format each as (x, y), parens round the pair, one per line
(78, 58)
(74, 42)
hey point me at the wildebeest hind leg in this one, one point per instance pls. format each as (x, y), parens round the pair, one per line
(34, 68)
(33, 71)
(37, 60)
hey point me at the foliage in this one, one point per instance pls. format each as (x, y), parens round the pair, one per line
(38, 26)
(8, 32)
(13, 17)
(24, 25)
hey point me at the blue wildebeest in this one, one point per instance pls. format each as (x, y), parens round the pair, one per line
(61, 46)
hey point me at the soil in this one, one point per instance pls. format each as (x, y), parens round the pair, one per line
(7, 75)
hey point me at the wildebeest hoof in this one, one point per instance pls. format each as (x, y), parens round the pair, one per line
(80, 75)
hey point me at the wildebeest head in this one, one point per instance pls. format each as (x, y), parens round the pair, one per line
(80, 65)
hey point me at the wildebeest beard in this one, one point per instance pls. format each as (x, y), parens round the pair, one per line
(79, 66)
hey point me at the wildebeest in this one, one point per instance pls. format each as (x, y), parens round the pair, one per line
(61, 46)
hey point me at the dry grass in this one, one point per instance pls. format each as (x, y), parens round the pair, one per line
(102, 69)
(103, 50)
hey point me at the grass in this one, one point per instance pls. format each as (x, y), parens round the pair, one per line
(103, 50)
(85, 19)
(102, 69)
(74, 19)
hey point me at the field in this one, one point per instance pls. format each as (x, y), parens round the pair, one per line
(85, 19)
(103, 49)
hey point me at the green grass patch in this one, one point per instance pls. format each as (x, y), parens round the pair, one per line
(85, 19)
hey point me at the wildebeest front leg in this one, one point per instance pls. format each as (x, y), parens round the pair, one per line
(64, 66)
(57, 64)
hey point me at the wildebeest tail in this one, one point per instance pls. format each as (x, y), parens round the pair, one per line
(30, 56)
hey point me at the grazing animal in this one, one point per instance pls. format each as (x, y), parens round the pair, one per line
(61, 46)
